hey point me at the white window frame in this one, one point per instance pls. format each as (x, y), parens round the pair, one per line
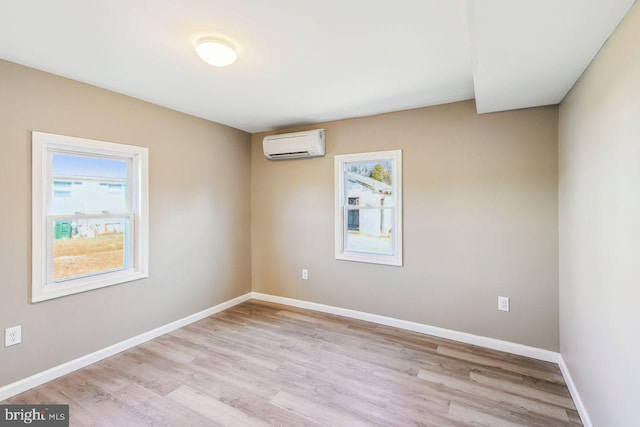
(44, 145)
(342, 207)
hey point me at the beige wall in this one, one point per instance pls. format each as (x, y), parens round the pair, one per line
(599, 154)
(199, 218)
(480, 220)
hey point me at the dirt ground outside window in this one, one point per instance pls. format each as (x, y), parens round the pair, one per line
(84, 256)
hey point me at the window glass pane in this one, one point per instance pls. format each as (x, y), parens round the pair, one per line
(369, 183)
(84, 247)
(88, 184)
(369, 231)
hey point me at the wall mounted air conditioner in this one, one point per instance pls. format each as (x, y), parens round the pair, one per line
(294, 145)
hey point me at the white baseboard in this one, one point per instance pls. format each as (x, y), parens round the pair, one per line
(577, 400)
(60, 370)
(492, 343)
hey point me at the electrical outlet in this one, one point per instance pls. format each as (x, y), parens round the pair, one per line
(503, 303)
(13, 336)
(305, 274)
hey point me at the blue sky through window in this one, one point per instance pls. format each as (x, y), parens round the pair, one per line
(89, 167)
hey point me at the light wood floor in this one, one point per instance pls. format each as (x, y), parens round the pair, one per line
(260, 364)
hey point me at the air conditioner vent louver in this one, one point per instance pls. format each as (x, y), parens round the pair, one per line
(294, 145)
(293, 153)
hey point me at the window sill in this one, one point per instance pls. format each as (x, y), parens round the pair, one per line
(84, 284)
(370, 258)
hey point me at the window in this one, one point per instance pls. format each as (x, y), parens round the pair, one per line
(369, 207)
(90, 215)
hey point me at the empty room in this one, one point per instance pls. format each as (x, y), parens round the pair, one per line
(330, 213)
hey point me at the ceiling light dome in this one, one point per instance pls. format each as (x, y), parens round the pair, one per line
(216, 52)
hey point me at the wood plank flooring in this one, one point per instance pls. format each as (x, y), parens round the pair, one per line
(264, 364)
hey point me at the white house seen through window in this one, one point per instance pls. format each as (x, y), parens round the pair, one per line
(369, 207)
(90, 214)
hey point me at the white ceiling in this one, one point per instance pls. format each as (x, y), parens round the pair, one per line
(306, 62)
(530, 53)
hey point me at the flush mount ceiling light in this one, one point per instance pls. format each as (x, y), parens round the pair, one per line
(216, 52)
